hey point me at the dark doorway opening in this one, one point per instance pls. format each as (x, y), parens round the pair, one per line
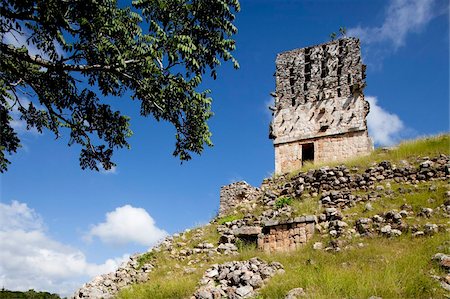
(247, 241)
(308, 152)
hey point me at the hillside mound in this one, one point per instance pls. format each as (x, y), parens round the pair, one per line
(374, 227)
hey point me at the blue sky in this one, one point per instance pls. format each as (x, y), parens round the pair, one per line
(61, 225)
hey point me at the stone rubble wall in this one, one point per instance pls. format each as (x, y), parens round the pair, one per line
(287, 236)
(288, 156)
(336, 186)
(236, 279)
(106, 286)
(235, 194)
(342, 178)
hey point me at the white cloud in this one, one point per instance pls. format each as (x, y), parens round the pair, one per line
(30, 259)
(384, 127)
(17, 216)
(402, 17)
(19, 125)
(128, 224)
(112, 170)
(21, 39)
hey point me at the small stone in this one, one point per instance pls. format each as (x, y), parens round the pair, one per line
(256, 281)
(426, 212)
(445, 286)
(295, 293)
(443, 259)
(418, 234)
(333, 233)
(403, 213)
(246, 276)
(380, 188)
(189, 270)
(244, 291)
(426, 164)
(377, 218)
(430, 229)
(318, 246)
(212, 273)
(368, 207)
(396, 233)
(208, 245)
(386, 229)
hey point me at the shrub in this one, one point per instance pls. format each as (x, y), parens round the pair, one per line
(283, 201)
(228, 218)
(145, 258)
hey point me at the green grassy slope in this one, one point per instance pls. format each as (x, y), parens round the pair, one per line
(376, 266)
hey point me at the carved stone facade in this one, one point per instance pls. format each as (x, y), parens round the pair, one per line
(288, 235)
(320, 110)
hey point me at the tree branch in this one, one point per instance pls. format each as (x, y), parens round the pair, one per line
(9, 49)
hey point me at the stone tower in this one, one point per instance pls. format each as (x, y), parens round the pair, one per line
(320, 111)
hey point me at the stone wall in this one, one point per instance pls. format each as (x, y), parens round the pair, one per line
(106, 286)
(319, 94)
(235, 194)
(288, 235)
(354, 179)
(288, 156)
(236, 279)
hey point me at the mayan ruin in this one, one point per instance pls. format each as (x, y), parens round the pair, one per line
(320, 111)
(224, 149)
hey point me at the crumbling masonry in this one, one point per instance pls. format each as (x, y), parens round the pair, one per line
(320, 111)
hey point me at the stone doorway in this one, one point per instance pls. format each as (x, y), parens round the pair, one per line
(307, 152)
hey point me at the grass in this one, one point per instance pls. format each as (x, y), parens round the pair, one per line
(407, 150)
(207, 233)
(146, 258)
(163, 285)
(229, 218)
(420, 197)
(305, 206)
(387, 268)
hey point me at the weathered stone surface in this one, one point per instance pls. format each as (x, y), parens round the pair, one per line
(107, 285)
(443, 260)
(247, 230)
(319, 103)
(286, 235)
(296, 293)
(342, 179)
(235, 194)
(244, 291)
(237, 279)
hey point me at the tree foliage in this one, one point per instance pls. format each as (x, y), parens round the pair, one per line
(77, 54)
(30, 294)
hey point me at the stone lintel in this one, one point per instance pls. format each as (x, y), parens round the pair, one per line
(301, 219)
(287, 139)
(247, 231)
